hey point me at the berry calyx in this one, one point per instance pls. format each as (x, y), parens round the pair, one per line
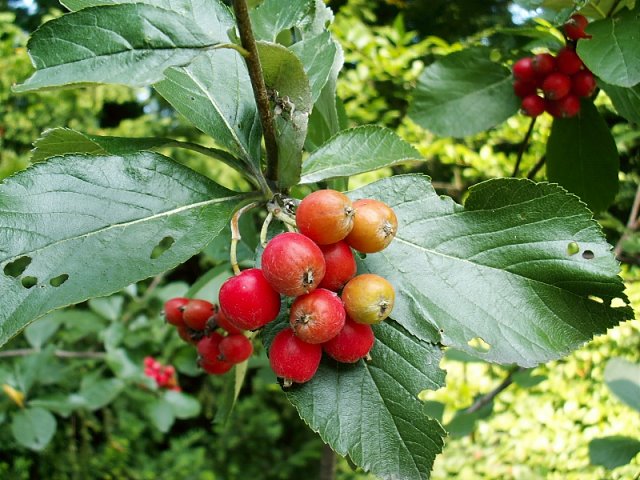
(325, 216)
(566, 107)
(556, 85)
(317, 316)
(543, 64)
(583, 84)
(533, 105)
(523, 69)
(197, 313)
(173, 310)
(235, 348)
(292, 359)
(352, 343)
(574, 28)
(568, 61)
(368, 298)
(248, 301)
(374, 227)
(340, 265)
(292, 264)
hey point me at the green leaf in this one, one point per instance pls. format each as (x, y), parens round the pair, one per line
(33, 428)
(623, 378)
(497, 271)
(583, 158)
(462, 94)
(612, 53)
(613, 452)
(38, 333)
(317, 55)
(357, 150)
(273, 16)
(96, 220)
(370, 410)
(464, 423)
(160, 412)
(61, 404)
(231, 390)
(526, 379)
(214, 93)
(625, 100)
(130, 44)
(182, 405)
(285, 77)
(98, 392)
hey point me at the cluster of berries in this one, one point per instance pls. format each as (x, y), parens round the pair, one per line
(164, 375)
(562, 79)
(313, 267)
(220, 344)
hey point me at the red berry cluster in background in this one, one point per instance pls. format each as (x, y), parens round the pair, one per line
(332, 309)
(164, 375)
(220, 344)
(562, 79)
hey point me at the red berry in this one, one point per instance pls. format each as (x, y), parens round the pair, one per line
(352, 343)
(292, 359)
(566, 107)
(340, 265)
(574, 28)
(186, 334)
(248, 301)
(325, 216)
(543, 64)
(568, 61)
(523, 88)
(317, 316)
(235, 348)
(374, 227)
(223, 322)
(148, 362)
(533, 105)
(583, 84)
(556, 86)
(197, 313)
(523, 69)
(215, 367)
(173, 310)
(368, 298)
(209, 347)
(292, 264)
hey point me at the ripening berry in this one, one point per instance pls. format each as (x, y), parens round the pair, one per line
(533, 105)
(173, 311)
(368, 298)
(574, 28)
(317, 316)
(340, 265)
(325, 216)
(583, 84)
(352, 343)
(543, 64)
(292, 359)
(556, 86)
(292, 264)
(235, 348)
(197, 313)
(568, 61)
(523, 69)
(374, 227)
(248, 301)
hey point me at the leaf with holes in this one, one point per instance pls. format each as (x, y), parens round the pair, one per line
(463, 93)
(522, 270)
(370, 410)
(583, 158)
(79, 226)
(129, 44)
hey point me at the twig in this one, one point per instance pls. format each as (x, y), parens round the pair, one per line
(488, 397)
(23, 352)
(632, 223)
(235, 235)
(536, 168)
(259, 88)
(523, 146)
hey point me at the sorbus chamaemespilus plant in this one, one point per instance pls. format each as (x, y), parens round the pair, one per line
(293, 264)
(368, 298)
(340, 265)
(543, 64)
(173, 310)
(352, 343)
(566, 107)
(568, 61)
(235, 348)
(317, 316)
(196, 313)
(325, 216)
(574, 28)
(209, 347)
(533, 105)
(374, 227)
(523, 69)
(583, 83)
(292, 359)
(556, 86)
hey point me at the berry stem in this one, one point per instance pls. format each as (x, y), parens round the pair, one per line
(265, 229)
(280, 213)
(536, 168)
(259, 88)
(235, 235)
(523, 146)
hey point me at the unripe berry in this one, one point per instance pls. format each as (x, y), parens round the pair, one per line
(583, 84)
(197, 313)
(374, 227)
(566, 107)
(523, 69)
(292, 359)
(574, 28)
(292, 264)
(543, 64)
(556, 86)
(568, 61)
(325, 216)
(317, 316)
(340, 265)
(173, 311)
(352, 343)
(523, 88)
(368, 298)
(235, 348)
(533, 105)
(248, 301)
